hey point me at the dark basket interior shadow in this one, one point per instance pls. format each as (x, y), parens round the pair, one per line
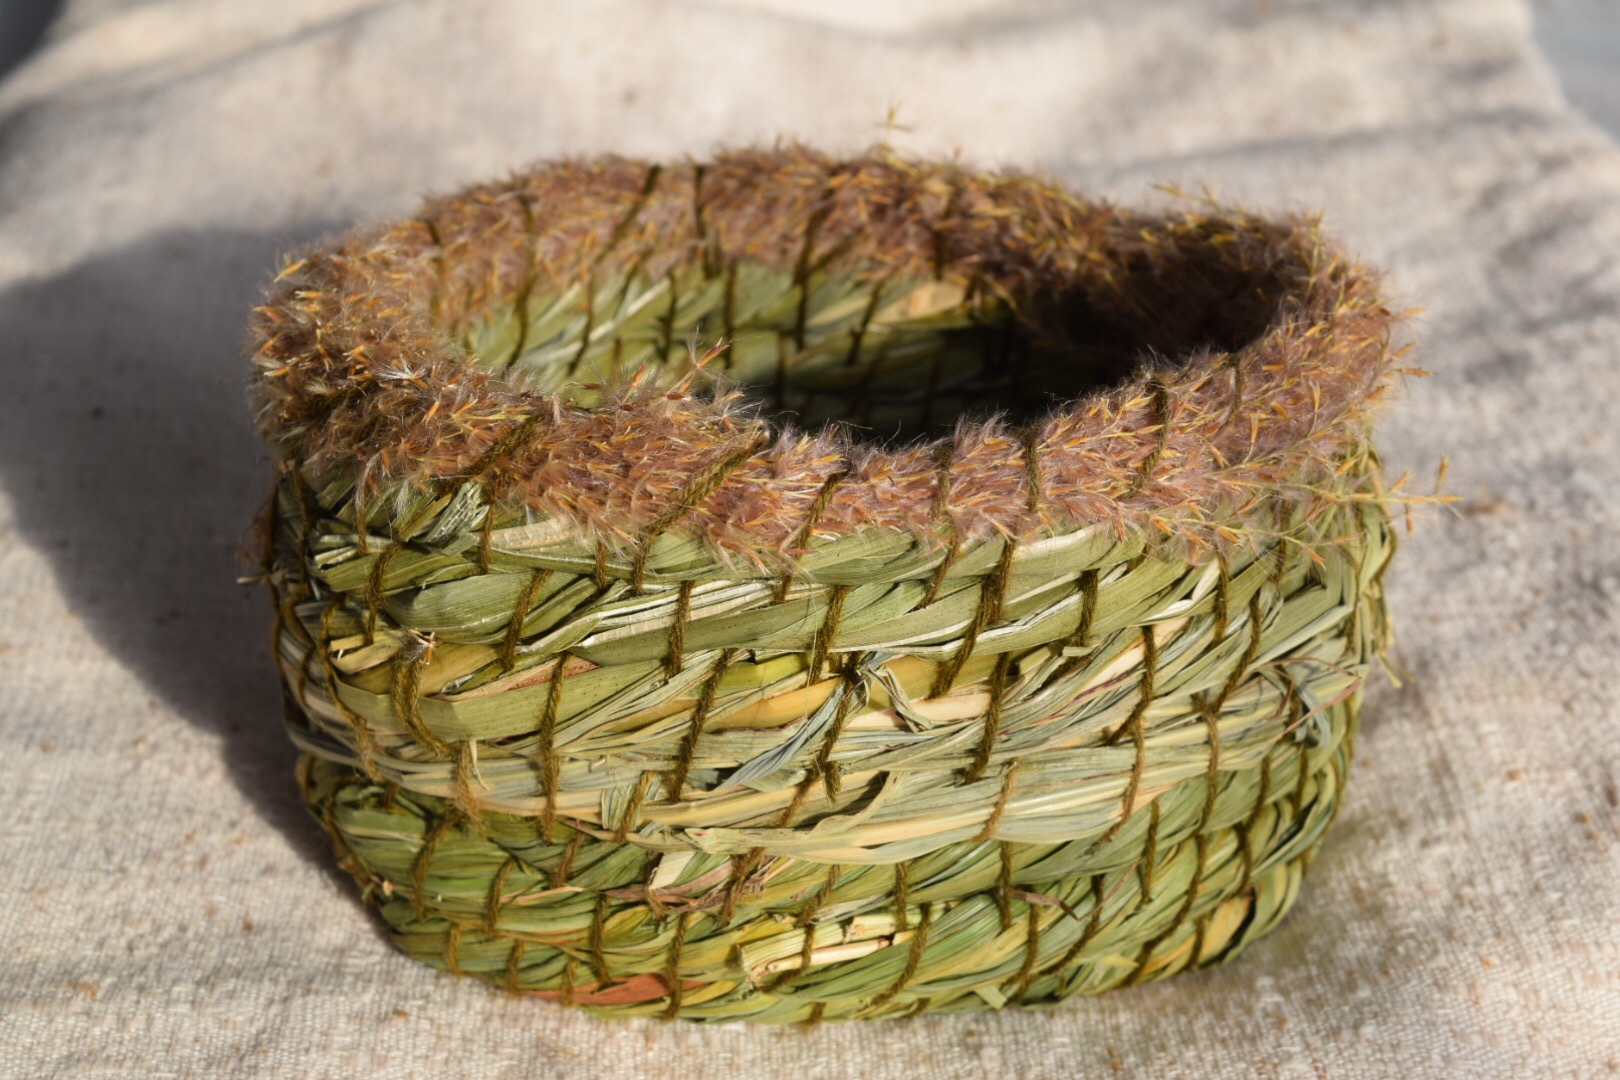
(126, 443)
(23, 24)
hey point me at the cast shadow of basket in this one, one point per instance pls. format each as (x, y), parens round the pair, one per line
(127, 446)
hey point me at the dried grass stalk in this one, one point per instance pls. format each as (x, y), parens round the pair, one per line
(981, 620)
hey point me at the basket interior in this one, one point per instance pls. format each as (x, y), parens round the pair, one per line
(895, 359)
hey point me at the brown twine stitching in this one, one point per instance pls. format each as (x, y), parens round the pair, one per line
(632, 810)
(816, 1012)
(1150, 663)
(1000, 807)
(1161, 404)
(366, 742)
(988, 610)
(497, 886)
(666, 329)
(565, 863)
(374, 585)
(806, 533)
(918, 1007)
(390, 794)
(618, 234)
(452, 949)
(826, 768)
(677, 630)
(1030, 436)
(741, 867)
(800, 793)
(570, 967)
(1223, 586)
(1004, 886)
(1087, 935)
(550, 768)
(807, 952)
(902, 886)
(465, 752)
(419, 868)
(1280, 569)
(1088, 609)
(1200, 931)
(1298, 795)
(513, 438)
(822, 895)
(700, 714)
(706, 484)
(992, 719)
(1200, 846)
(514, 964)
(859, 333)
(1134, 727)
(672, 968)
(486, 537)
(597, 933)
(943, 453)
(649, 871)
(829, 628)
(531, 243)
(801, 273)
(913, 957)
(599, 572)
(1149, 864)
(407, 701)
(1250, 651)
(514, 629)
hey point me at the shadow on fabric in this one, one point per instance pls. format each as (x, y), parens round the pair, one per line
(127, 447)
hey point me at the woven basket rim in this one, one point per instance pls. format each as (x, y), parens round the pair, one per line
(353, 372)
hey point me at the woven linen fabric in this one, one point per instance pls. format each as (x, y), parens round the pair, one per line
(167, 909)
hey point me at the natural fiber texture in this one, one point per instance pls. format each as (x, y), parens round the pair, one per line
(662, 698)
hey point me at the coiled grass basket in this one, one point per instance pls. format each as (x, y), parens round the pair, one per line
(784, 588)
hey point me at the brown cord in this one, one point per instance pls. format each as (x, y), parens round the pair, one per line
(419, 867)
(672, 969)
(914, 954)
(632, 809)
(826, 635)
(550, 768)
(706, 696)
(497, 886)
(514, 628)
(677, 631)
(1000, 807)
(801, 541)
(599, 915)
(707, 483)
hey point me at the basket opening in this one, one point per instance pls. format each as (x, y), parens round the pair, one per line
(894, 359)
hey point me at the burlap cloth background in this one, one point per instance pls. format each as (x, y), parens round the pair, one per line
(165, 908)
